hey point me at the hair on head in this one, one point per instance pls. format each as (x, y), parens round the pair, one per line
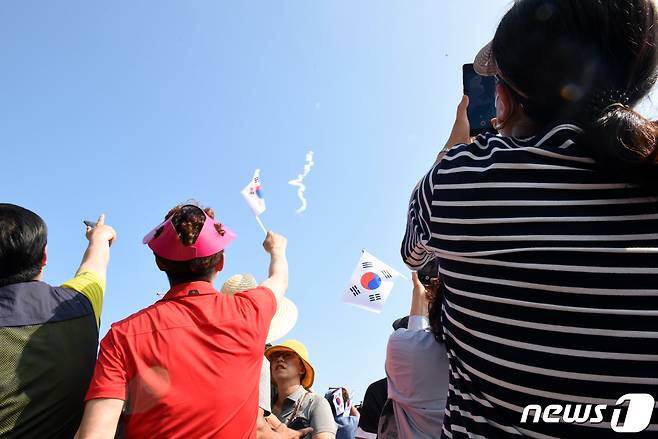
(188, 220)
(23, 238)
(587, 62)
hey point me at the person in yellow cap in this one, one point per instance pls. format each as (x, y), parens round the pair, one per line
(295, 404)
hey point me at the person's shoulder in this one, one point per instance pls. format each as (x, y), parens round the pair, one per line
(256, 291)
(85, 279)
(260, 295)
(31, 289)
(553, 146)
(36, 302)
(482, 147)
(315, 400)
(322, 418)
(378, 386)
(137, 323)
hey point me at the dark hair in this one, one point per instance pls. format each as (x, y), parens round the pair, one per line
(434, 310)
(587, 62)
(188, 221)
(23, 238)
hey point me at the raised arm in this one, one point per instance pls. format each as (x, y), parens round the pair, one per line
(90, 277)
(415, 250)
(277, 281)
(97, 255)
(419, 299)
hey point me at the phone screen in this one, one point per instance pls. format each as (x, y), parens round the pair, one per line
(481, 92)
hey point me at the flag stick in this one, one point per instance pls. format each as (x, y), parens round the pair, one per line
(262, 226)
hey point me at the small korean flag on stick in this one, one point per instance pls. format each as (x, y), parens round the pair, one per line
(337, 401)
(254, 199)
(371, 283)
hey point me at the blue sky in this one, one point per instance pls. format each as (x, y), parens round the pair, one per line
(129, 108)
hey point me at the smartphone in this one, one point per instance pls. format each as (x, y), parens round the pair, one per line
(299, 423)
(91, 224)
(481, 92)
(429, 272)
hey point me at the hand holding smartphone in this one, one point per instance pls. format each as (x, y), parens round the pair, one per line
(481, 92)
(429, 272)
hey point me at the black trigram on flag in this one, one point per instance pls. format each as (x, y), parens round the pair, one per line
(374, 297)
(366, 264)
(386, 274)
(355, 290)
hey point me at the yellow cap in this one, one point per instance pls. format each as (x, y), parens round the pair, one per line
(298, 348)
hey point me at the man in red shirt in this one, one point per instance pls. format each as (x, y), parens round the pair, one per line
(187, 366)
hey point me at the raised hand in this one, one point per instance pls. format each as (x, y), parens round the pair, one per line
(275, 243)
(101, 232)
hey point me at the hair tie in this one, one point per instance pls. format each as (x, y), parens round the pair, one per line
(600, 102)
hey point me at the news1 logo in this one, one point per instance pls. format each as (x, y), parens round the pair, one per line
(638, 413)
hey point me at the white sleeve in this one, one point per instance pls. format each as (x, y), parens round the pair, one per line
(418, 323)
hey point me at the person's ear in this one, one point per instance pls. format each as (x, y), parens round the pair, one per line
(158, 263)
(44, 259)
(504, 105)
(220, 265)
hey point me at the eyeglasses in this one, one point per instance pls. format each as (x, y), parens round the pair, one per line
(522, 100)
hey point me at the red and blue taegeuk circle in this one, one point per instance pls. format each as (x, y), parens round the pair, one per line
(371, 281)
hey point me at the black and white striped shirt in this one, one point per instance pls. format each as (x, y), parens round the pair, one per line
(551, 283)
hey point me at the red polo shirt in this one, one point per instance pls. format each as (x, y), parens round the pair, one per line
(188, 365)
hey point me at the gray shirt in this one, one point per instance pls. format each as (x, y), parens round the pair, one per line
(314, 408)
(417, 372)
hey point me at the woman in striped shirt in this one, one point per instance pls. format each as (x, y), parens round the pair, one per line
(547, 233)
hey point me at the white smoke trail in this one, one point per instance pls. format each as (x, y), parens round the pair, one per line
(299, 181)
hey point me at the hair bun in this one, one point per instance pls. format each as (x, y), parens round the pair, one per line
(626, 135)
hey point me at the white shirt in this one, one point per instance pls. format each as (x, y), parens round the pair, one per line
(417, 372)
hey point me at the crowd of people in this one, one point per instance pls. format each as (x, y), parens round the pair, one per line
(543, 238)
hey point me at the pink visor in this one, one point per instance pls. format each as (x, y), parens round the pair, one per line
(167, 244)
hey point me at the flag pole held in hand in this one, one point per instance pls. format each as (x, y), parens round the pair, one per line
(262, 226)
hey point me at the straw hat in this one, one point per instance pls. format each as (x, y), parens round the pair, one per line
(298, 348)
(485, 63)
(286, 314)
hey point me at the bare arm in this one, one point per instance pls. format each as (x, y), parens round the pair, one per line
(460, 130)
(97, 255)
(100, 419)
(419, 299)
(277, 281)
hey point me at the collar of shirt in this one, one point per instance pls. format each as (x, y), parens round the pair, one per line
(294, 396)
(196, 288)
